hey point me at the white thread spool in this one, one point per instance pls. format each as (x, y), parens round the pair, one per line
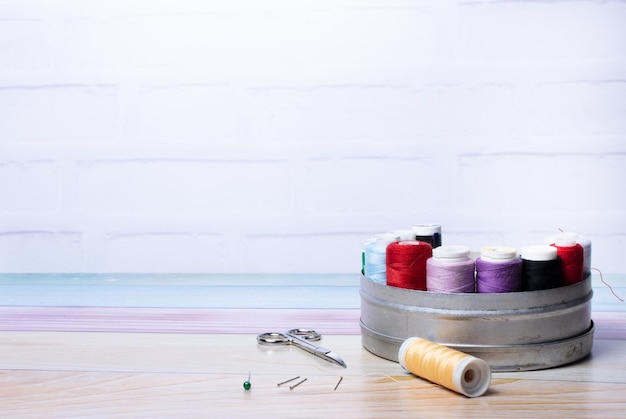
(405, 234)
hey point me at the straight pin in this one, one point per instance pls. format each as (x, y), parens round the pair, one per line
(288, 381)
(246, 384)
(339, 382)
(297, 384)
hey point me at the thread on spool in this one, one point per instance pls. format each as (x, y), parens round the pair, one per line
(406, 264)
(375, 259)
(586, 245)
(406, 234)
(374, 256)
(572, 258)
(498, 270)
(541, 268)
(450, 270)
(429, 233)
(583, 241)
(445, 366)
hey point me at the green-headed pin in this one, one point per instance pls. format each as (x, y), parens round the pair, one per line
(246, 384)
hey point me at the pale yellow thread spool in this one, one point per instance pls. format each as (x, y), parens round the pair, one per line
(450, 368)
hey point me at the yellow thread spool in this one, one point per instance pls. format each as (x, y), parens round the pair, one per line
(450, 368)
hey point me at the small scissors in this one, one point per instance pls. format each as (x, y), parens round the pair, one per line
(301, 338)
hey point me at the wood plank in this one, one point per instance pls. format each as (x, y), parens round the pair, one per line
(64, 374)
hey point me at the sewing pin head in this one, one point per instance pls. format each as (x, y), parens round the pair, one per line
(246, 384)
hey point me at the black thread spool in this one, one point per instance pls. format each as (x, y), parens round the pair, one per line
(541, 268)
(429, 233)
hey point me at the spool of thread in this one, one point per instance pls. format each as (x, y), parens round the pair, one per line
(406, 234)
(541, 268)
(498, 270)
(447, 367)
(364, 244)
(572, 258)
(450, 270)
(374, 256)
(429, 233)
(586, 245)
(406, 264)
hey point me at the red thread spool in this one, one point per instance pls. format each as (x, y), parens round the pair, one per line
(406, 264)
(572, 258)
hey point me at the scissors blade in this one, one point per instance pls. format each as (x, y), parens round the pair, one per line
(334, 358)
(325, 354)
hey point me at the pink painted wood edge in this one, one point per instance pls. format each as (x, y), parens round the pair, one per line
(228, 321)
(176, 320)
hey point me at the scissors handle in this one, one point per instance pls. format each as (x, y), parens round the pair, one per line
(289, 337)
(307, 334)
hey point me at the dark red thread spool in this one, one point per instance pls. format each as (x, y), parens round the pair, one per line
(406, 264)
(572, 258)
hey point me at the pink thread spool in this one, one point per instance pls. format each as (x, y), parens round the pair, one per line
(450, 270)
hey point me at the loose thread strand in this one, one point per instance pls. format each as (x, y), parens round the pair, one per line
(609, 286)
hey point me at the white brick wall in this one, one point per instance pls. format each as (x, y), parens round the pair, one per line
(260, 137)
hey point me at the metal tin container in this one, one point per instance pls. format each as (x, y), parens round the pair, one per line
(511, 331)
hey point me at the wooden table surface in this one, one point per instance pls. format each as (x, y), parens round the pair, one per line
(182, 346)
(86, 374)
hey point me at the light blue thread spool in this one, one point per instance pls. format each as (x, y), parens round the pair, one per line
(375, 255)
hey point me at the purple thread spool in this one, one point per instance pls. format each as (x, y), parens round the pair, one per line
(450, 270)
(498, 269)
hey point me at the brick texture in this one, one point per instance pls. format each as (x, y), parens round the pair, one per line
(273, 137)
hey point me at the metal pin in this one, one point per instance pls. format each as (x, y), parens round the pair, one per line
(288, 381)
(340, 378)
(297, 384)
(246, 384)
